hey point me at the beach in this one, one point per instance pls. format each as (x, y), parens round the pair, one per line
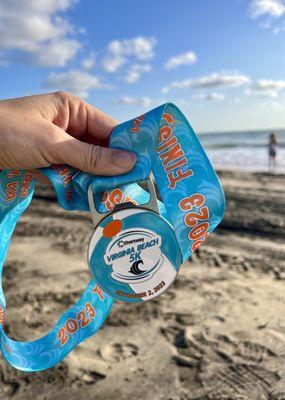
(245, 150)
(217, 334)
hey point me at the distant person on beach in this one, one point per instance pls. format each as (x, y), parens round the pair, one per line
(272, 145)
(59, 128)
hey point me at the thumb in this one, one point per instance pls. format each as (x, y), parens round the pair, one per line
(96, 160)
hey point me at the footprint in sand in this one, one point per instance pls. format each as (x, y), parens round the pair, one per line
(279, 396)
(221, 367)
(72, 241)
(118, 351)
(237, 381)
(253, 351)
(10, 273)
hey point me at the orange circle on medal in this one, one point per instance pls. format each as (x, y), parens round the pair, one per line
(112, 228)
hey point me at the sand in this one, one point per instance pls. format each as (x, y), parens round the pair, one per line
(218, 333)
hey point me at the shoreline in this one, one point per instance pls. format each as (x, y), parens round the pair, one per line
(236, 170)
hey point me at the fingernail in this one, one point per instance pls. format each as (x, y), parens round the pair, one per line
(124, 159)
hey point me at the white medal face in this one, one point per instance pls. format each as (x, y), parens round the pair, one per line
(134, 254)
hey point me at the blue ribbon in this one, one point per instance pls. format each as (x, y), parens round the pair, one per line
(192, 201)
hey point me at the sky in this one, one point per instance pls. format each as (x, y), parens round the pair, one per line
(221, 61)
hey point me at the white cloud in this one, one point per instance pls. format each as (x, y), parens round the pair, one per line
(265, 24)
(140, 47)
(215, 96)
(119, 51)
(76, 82)
(267, 84)
(271, 8)
(135, 72)
(272, 104)
(188, 58)
(36, 32)
(54, 53)
(112, 63)
(135, 101)
(215, 80)
(278, 29)
(89, 62)
(269, 13)
(272, 94)
(267, 88)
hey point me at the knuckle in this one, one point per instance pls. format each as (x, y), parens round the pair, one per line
(64, 99)
(64, 96)
(61, 95)
(94, 157)
(61, 99)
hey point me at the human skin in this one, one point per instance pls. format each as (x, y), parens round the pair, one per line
(58, 128)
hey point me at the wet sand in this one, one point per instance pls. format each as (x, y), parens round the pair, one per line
(217, 334)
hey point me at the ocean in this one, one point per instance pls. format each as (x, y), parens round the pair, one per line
(243, 150)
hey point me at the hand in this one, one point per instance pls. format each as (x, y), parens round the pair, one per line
(58, 128)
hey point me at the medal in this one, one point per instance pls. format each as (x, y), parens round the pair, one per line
(133, 252)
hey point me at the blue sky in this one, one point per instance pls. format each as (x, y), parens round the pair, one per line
(221, 61)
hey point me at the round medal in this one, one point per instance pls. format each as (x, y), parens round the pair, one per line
(134, 254)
